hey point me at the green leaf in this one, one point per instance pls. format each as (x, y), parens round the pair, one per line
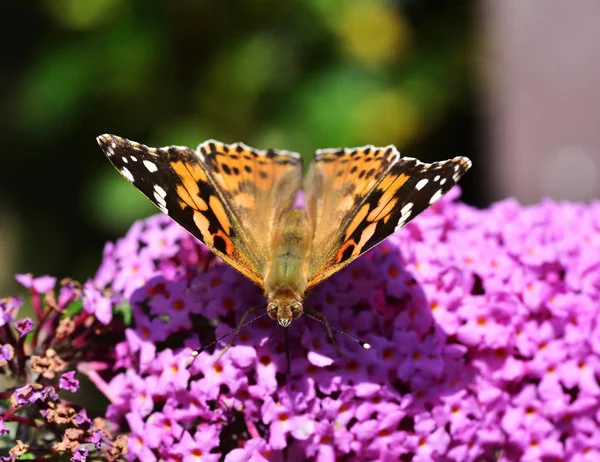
(73, 308)
(124, 310)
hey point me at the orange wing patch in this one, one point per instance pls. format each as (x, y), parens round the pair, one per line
(238, 168)
(387, 192)
(188, 190)
(259, 187)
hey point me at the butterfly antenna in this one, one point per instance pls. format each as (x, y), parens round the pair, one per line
(195, 353)
(323, 321)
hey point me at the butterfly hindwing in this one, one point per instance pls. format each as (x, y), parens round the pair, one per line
(384, 194)
(206, 191)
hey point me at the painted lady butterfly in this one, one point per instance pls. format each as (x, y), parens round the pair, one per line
(239, 202)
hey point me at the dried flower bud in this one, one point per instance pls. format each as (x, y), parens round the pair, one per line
(48, 365)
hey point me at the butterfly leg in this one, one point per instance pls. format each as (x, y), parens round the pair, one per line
(321, 318)
(243, 323)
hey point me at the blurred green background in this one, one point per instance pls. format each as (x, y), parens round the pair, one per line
(296, 75)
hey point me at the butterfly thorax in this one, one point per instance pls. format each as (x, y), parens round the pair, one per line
(287, 274)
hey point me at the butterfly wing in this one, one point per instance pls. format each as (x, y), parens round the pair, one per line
(358, 197)
(227, 196)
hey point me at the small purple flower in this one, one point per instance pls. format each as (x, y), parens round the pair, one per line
(538, 444)
(527, 412)
(21, 396)
(129, 245)
(29, 394)
(583, 446)
(7, 352)
(422, 356)
(169, 429)
(481, 326)
(144, 390)
(82, 419)
(96, 438)
(254, 450)
(23, 326)
(216, 373)
(430, 442)
(161, 242)
(141, 441)
(80, 454)
(38, 285)
(328, 440)
(176, 304)
(174, 370)
(68, 293)
(283, 421)
(68, 382)
(581, 372)
(199, 447)
(134, 273)
(9, 308)
(94, 302)
(108, 267)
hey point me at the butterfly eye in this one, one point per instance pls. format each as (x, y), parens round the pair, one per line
(272, 309)
(296, 309)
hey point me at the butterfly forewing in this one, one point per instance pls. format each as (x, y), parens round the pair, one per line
(216, 193)
(386, 192)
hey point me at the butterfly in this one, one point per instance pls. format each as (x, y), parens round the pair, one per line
(239, 202)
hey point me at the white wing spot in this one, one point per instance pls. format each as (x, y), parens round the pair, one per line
(110, 151)
(404, 215)
(159, 195)
(151, 166)
(406, 209)
(421, 184)
(437, 178)
(436, 197)
(443, 181)
(160, 191)
(127, 174)
(133, 158)
(160, 201)
(124, 159)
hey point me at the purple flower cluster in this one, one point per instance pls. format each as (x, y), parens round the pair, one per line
(38, 358)
(484, 329)
(485, 345)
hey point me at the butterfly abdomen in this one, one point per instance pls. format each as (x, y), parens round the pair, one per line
(291, 243)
